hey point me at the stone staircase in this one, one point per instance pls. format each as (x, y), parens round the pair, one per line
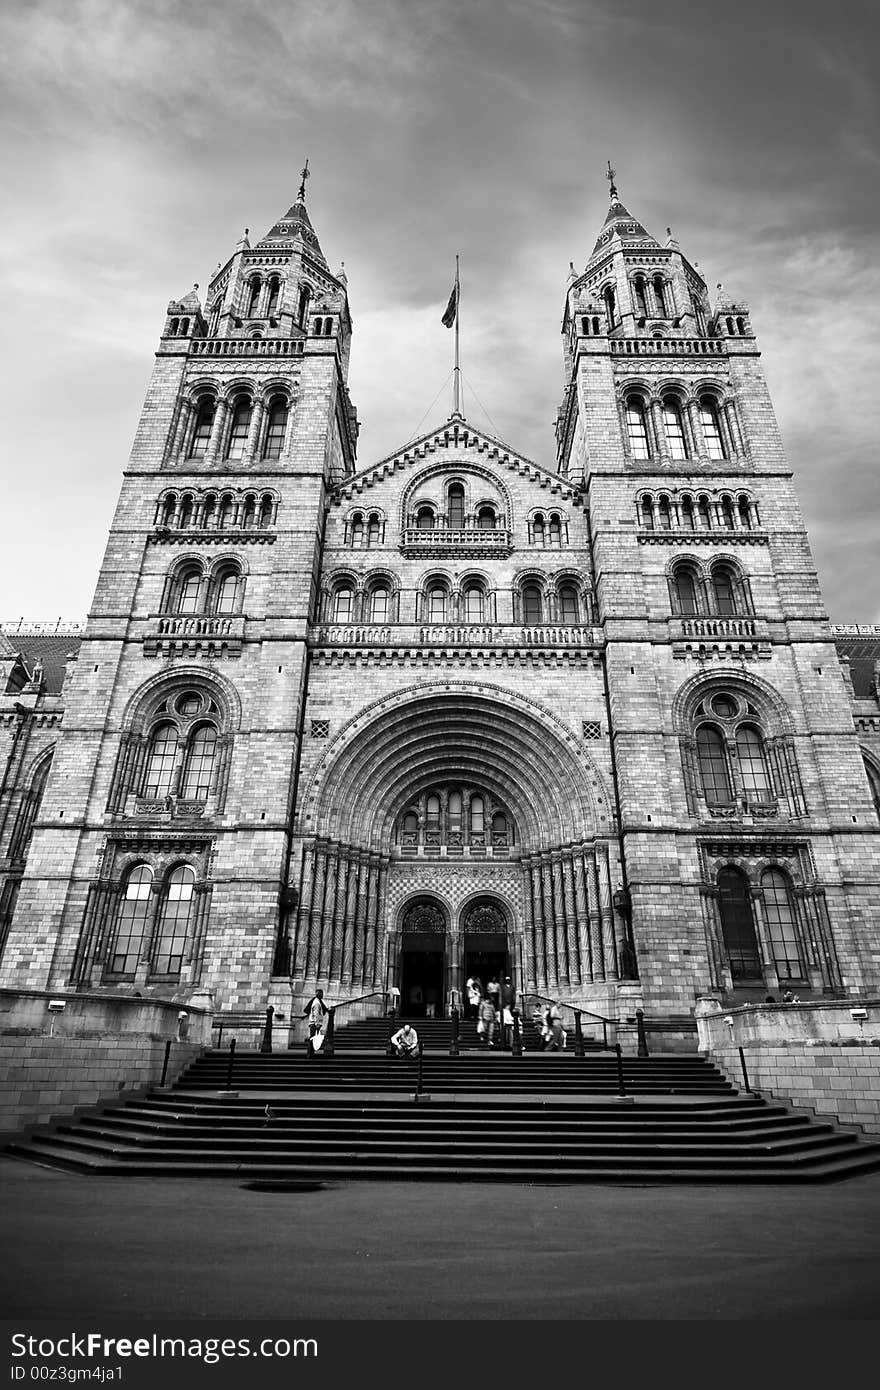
(537, 1119)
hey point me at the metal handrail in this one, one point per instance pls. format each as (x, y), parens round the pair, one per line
(374, 994)
(579, 1014)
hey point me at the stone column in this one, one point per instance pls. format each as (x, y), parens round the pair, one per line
(343, 870)
(597, 951)
(252, 447)
(360, 917)
(301, 929)
(317, 908)
(571, 933)
(539, 926)
(355, 868)
(546, 872)
(327, 916)
(583, 919)
(218, 430)
(529, 980)
(607, 913)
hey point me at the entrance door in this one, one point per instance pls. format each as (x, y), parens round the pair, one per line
(485, 958)
(421, 987)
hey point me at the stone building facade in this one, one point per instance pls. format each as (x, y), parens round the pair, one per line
(452, 712)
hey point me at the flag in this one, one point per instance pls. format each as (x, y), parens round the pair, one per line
(452, 307)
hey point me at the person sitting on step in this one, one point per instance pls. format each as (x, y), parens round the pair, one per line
(405, 1041)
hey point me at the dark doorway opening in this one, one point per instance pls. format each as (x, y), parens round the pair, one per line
(422, 983)
(485, 958)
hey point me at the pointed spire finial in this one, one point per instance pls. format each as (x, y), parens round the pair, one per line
(301, 195)
(610, 176)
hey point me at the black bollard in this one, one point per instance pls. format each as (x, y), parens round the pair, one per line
(516, 1044)
(419, 1081)
(578, 1036)
(266, 1044)
(229, 1066)
(165, 1062)
(327, 1045)
(742, 1062)
(453, 1046)
(621, 1087)
(643, 1037)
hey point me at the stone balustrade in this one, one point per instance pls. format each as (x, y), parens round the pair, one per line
(455, 634)
(448, 540)
(246, 347)
(663, 347)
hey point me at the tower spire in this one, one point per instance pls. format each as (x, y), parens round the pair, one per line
(301, 195)
(610, 176)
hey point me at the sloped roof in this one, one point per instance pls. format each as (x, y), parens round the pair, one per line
(53, 650)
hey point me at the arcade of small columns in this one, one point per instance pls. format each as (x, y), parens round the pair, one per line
(567, 935)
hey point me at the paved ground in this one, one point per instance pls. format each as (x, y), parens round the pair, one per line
(77, 1246)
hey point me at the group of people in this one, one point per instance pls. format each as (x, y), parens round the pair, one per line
(492, 1009)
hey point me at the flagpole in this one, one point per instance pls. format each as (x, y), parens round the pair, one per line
(456, 395)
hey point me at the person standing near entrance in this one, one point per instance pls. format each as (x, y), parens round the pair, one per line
(486, 1022)
(508, 1004)
(493, 990)
(474, 995)
(315, 1011)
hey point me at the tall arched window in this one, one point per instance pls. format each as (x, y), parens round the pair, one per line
(189, 585)
(186, 512)
(727, 514)
(687, 514)
(276, 428)
(249, 513)
(274, 292)
(227, 511)
(647, 510)
(532, 605)
(432, 815)
(198, 769)
(174, 915)
(161, 761)
(253, 296)
(478, 816)
(238, 430)
(201, 434)
(660, 295)
(664, 512)
(753, 765)
(437, 604)
(738, 924)
(132, 920)
(500, 830)
(711, 428)
(357, 530)
(305, 295)
(342, 605)
(486, 519)
(379, 605)
(456, 506)
(209, 511)
(684, 584)
(374, 529)
(781, 925)
(555, 529)
(641, 301)
(724, 587)
(874, 784)
(538, 534)
(425, 518)
(265, 511)
(569, 608)
(609, 300)
(226, 592)
(712, 761)
(20, 840)
(473, 604)
(745, 512)
(704, 513)
(637, 428)
(674, 428)
(454, 813)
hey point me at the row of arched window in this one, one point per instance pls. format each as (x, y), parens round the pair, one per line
(213, 511)
(241, 426)
(732, 759)
(685, 511)
(152, 924)
(719, 590)
(180, 754)
(178, 327)
(736, 901)
(455, 816)
(535, 600)
(366, 529)
(676, 428)
(426, 516)
(194, 587)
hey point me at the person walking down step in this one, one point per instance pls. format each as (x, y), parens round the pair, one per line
(405, 1041)
(486, 1022)
(315, 1011)
(474, 995)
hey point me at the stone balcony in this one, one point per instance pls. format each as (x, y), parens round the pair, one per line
(709, 636)
(210, 633)
(246, 347)
(663, 347)
(450, 540)
(415, 635)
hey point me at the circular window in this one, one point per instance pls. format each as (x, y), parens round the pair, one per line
(723, 706)
(190, 703)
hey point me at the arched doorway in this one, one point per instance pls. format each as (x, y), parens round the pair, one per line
(485, 954)
(423, 960)
(738, 925)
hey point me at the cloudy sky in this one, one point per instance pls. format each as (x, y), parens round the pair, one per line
(140, 136)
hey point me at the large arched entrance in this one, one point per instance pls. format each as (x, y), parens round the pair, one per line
(423, 963)
(485, 942)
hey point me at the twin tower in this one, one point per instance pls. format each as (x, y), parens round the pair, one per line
(454, 712)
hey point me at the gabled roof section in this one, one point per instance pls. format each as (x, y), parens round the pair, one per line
(463, 437)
